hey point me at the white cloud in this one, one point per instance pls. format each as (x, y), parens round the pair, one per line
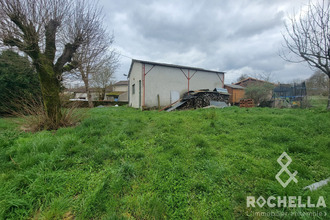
(234, 36)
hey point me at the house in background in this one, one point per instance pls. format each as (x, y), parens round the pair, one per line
(236, 93)
(119, 92)
(81, 94)
(121, 86)
(154, 84)
(259, 90)
(250, 81)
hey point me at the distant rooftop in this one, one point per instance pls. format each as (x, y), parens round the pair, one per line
(251, 80)
(234, 86)
(121, 83)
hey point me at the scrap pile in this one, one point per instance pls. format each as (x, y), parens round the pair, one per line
(199, 99)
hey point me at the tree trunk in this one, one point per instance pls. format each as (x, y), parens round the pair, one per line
(328, 107)
(88, 92)
(102, 94)
(50, 89)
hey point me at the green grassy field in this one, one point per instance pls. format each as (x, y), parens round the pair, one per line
(121, 163)
(318, 101)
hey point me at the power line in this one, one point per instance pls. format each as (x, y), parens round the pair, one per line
(124, 55)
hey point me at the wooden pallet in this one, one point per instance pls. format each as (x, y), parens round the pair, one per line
(246, 103)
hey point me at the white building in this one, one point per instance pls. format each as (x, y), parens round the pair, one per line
(158, 84)
(119, 92)
(121, 86)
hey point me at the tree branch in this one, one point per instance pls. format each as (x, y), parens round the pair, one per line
(51, 29)
(70, 66)
(308, 36)
(13, 42)
(66, 56)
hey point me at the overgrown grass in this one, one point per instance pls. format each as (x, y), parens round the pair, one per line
(121, 163)
(318, 101)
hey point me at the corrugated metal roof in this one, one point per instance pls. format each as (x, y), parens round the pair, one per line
(221, 90)
(171, 65)
(234, 86)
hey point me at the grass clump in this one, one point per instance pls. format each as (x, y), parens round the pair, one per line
(121, 163)
(33, 117)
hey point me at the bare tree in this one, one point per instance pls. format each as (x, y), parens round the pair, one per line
(265, 76)
(103, 78)
(91, 55)
(242, 77)
(50, 33)
(308, 37)
(318, 84)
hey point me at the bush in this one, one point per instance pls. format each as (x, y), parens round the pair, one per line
(259, 92)
(17, 80)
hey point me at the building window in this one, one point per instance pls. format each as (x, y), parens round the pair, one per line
(133, 89)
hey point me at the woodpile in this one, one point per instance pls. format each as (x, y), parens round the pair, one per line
(246, 103)
(200, 99)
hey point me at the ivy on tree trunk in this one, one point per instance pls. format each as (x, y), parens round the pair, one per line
(329, 96)
(50, 89)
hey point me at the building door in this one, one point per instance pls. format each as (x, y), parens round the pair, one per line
(140, 93)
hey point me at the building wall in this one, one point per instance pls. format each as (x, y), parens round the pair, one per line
(161, 80)
(123, 97)
(79, 95)
(135, 77)
(206, 80)
(94, 96)
(235, 94)
(230, 91)
(120, 88)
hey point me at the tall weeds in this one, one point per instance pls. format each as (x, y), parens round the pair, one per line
(32, 116)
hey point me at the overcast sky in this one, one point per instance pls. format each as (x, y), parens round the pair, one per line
(234, 36)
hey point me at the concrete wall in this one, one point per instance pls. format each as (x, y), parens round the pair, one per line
(135, 77)
(161, 80)
(123, 97)
(120, 88)
(95, 96)
(79, 95)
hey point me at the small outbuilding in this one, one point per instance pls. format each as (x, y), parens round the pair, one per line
(154, 84)
(236, 93)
